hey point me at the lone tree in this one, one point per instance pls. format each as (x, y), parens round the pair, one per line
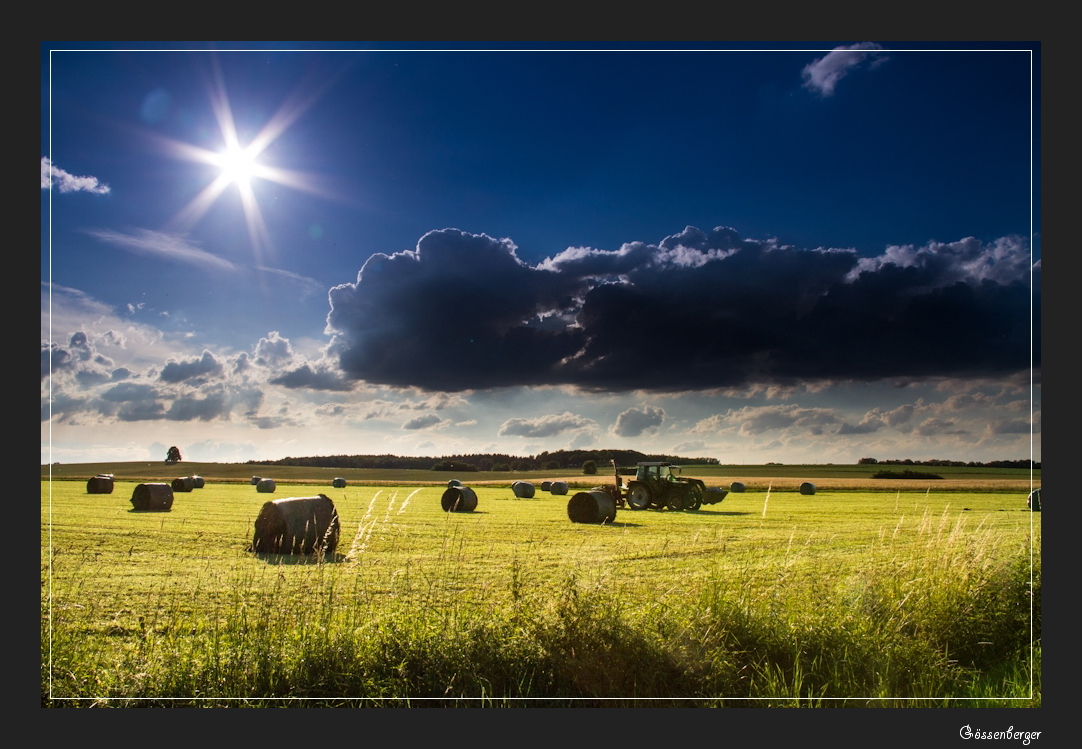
(173, 456)
(589, 467)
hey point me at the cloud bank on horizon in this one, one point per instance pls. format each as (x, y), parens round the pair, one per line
(697, 310)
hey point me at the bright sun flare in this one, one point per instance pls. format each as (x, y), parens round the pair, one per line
(238, 164)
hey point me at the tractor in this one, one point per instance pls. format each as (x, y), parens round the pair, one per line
(657, 486)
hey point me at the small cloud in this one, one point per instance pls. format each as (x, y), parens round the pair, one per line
(423, 422)
(52, 175)
(823, 75)
(634, 421)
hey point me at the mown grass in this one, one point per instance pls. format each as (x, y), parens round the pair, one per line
(757, 478)
(768, 599)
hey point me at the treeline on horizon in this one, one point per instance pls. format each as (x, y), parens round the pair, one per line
(940, 462)
(560, 459)
(568, 459)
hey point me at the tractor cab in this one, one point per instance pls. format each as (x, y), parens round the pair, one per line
(654, 472)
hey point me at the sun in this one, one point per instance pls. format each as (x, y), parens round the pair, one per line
(238, 164)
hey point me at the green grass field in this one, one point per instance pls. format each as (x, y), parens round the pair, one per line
(843, 598)
(779, 477)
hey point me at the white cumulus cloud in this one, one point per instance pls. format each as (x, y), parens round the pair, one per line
(52, 175)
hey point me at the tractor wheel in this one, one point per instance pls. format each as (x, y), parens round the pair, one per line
(638, 495)
(676, 500)
(695, 497)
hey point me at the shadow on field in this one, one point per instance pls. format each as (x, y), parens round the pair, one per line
(719, 512)
(291, 559)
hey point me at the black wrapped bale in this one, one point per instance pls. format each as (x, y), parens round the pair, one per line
(558, 487)
(256, 480)
(183, 484)
(546, 486)
(454, 482)
(523, 489)
(198, 482)
(339, 483)
(737, 487)
(594, 506)
(1033, 501)
(265, 486)
(99, 485)
(152, 498)
(297, 525)
(807, 488)
(459, 499)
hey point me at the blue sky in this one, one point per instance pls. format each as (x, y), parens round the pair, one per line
(770, 254)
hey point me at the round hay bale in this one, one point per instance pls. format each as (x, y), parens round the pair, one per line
(297, 525)
(594, 506)
(256, 480)
(737, 487)
(546, 486)
(99, 484)
(459, 499)
(558, 487)
(523, 489)
(152, 497)
(454, 482)
(807, 488)
(183, 484)
(339, 483)
(265, 486)
(198, 482)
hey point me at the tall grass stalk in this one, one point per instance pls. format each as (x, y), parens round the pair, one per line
(944, 621)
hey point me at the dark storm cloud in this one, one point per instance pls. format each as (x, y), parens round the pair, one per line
(698, 310)
(453, 315)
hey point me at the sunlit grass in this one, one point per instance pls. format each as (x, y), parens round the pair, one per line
(829, 600)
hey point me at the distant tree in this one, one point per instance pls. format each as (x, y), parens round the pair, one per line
(589, 468)
(552, 465)
(173, 456)
(501, 467)
(867, 461)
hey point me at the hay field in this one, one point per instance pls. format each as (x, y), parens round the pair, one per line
(127, 596)
(756, 478)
